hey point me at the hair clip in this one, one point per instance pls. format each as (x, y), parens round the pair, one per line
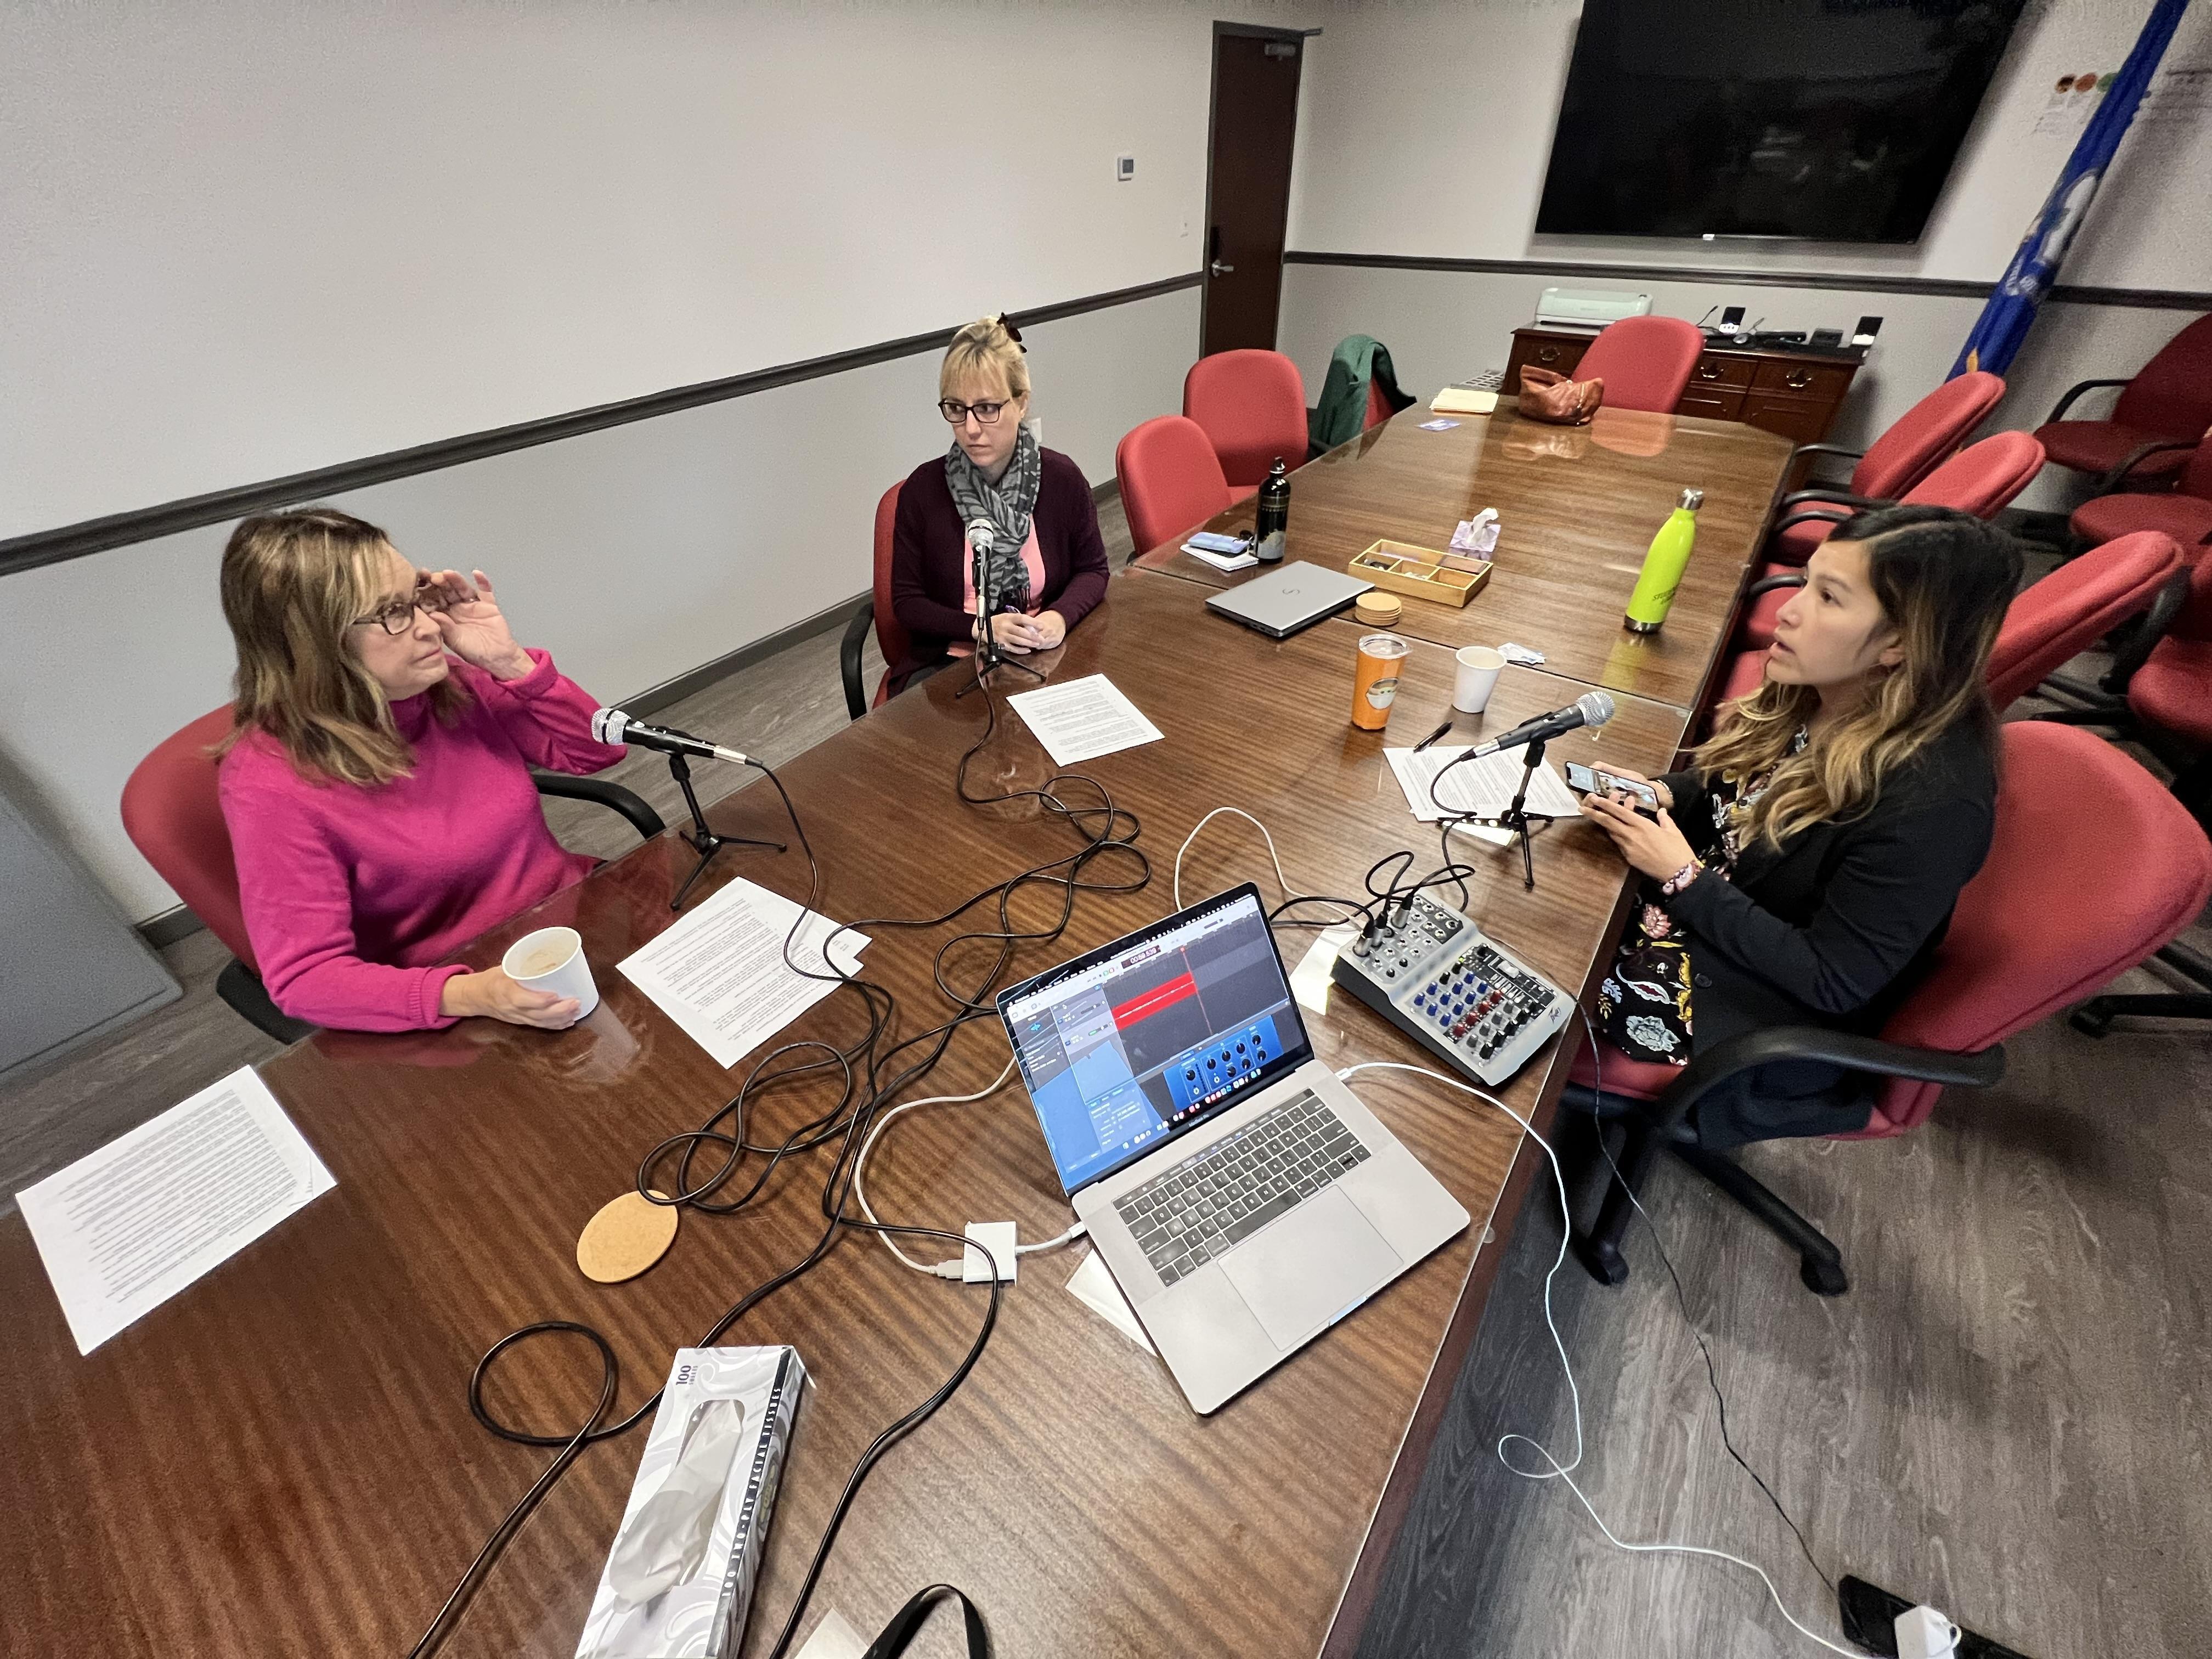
(1012, 333)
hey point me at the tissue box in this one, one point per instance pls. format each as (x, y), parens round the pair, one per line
(679, 1580)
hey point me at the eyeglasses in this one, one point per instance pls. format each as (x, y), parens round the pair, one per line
(398, 615)
(956, 412)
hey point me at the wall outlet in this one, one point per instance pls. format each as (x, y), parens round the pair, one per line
(1125, 168)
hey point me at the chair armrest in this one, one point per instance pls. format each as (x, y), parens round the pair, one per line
(1768, 584)
(628, 802)
(2058, 410)
(1848, 1049)
(1815, 515)
(2117, 476)
(1838, 497)
(1827, 449)
(2150, 628)
(848, 657)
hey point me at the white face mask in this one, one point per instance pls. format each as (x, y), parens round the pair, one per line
(664, 1547)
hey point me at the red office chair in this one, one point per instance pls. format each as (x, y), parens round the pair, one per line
(1981, 480)
(1644, 361)
(173, 816)
(2186, 514)
(890, 636)
(1252, 407)
(2161, 416)
(2051, 623)
(1170, 481)
(1916, 443)
(1379, 405)
(2011, 956)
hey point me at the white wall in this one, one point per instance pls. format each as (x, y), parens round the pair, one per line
(247, 239)
(634, 554)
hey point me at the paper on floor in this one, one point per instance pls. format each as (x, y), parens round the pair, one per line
(125, 1229)
(1484, 786)
(1082, 720)
(721, 974)
(1094, 1287)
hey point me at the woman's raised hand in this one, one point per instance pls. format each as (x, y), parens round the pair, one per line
(474, 628)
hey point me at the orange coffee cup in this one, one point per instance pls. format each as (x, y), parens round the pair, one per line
(1375, 681)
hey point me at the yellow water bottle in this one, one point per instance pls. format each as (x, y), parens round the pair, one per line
(1663, 566)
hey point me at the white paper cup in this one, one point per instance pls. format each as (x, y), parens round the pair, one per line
(1478, 672)
(552, 959)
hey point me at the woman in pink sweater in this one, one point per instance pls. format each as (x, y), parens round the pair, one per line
(378, 791)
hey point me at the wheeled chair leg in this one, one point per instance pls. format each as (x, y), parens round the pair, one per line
(1598, 1250)
(1820, 1264)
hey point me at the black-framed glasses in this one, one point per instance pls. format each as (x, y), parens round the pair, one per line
(396, 615)
(956, 411)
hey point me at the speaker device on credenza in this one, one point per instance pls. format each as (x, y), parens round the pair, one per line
(1792, 118)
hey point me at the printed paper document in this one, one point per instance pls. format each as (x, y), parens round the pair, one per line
(124, 1229)
(1082, 720)
(720, 973)
(1485, 786)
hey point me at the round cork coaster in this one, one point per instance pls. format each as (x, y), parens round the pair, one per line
(625, 1237)
(1378, 608)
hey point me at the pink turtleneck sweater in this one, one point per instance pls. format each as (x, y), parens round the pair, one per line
(350, 894)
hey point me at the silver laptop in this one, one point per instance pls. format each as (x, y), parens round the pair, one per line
(1243, 1200)
(1284, 601)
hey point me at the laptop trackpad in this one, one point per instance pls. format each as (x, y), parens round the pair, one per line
(1310, 1266)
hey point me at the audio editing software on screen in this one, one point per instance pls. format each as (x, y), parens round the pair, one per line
(1122, 1053)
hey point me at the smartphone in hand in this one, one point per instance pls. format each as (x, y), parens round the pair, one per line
(1592, 781)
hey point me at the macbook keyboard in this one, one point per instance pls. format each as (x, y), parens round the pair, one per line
(1215, 1200)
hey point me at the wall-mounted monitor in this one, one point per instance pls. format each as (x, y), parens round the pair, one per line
(1831, 121)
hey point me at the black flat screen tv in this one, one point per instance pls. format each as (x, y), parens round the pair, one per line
(1829, 120)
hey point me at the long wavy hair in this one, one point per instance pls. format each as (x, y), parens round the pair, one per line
(293, 584)
(1944, 579)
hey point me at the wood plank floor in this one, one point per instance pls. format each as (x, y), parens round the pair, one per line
(2009, 1414)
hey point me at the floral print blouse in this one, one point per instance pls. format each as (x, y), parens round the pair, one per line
(1643, 1002)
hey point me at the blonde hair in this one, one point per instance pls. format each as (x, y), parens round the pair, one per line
(1944, 579)
(294, 583)
(988, 349)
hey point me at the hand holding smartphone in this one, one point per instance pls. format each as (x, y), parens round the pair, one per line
(1589, 781)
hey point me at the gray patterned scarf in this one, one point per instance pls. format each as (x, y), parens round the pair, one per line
(1007, 506)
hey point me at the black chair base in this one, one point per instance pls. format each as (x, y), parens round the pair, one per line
(241, 987)
(2094, 1018)
(1820, 1263)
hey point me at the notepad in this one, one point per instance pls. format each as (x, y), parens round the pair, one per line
(1462, 400)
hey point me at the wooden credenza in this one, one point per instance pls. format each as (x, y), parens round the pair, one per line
(1796, 393)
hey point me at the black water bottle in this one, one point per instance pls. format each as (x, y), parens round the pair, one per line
(1274, 521)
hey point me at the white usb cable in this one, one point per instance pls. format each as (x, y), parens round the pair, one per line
(1288, 891)
(1558, 1470)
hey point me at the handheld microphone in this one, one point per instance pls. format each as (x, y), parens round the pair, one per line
(613, 726)
(1591, 708)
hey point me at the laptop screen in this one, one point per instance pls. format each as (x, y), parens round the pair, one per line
(1135, 1042)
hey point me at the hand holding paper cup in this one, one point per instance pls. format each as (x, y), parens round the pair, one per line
(1477, 673)
(552, 959)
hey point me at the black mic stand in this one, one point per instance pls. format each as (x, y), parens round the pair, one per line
(699, 838)
(1517, 816)
(987, 655)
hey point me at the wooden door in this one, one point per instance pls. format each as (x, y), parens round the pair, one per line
(1248, 190)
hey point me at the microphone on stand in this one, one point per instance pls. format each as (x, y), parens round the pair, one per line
(1591, 708)
(613, 726)
(981, 537)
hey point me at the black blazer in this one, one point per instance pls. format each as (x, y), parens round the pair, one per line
(1834, 928)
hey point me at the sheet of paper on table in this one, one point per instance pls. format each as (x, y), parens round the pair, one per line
(1485, 786)
(1094, 1287)
(1082, 720)
(720, 973)
(1222, 560)
(125, 1229)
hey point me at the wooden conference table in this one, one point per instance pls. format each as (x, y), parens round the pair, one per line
(281, 1459)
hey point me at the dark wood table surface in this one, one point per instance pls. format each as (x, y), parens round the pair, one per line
(1579, 506)
(280, 1460)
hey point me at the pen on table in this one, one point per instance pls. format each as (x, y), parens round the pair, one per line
(1433, 737)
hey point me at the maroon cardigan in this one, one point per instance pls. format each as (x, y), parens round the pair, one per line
(929, 557)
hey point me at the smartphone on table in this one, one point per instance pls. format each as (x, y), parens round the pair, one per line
(1597, 780)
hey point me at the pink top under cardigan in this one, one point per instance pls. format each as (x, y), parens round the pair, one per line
(352, 894)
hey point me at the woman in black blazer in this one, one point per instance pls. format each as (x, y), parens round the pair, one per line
(1803, 870)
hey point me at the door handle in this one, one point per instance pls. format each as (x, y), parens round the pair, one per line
(1220, 268)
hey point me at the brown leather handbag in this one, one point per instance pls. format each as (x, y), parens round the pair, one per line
(1547, 396)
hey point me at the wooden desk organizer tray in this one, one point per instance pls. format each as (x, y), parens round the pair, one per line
(1439, 577)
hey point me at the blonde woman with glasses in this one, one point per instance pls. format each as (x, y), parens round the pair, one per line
(1049, 562)
(376, 782)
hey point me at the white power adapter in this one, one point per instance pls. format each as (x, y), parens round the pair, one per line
(1925, 1633)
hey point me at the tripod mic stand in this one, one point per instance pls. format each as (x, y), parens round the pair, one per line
(1517, 816)
(988, 654)
(699, 838)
